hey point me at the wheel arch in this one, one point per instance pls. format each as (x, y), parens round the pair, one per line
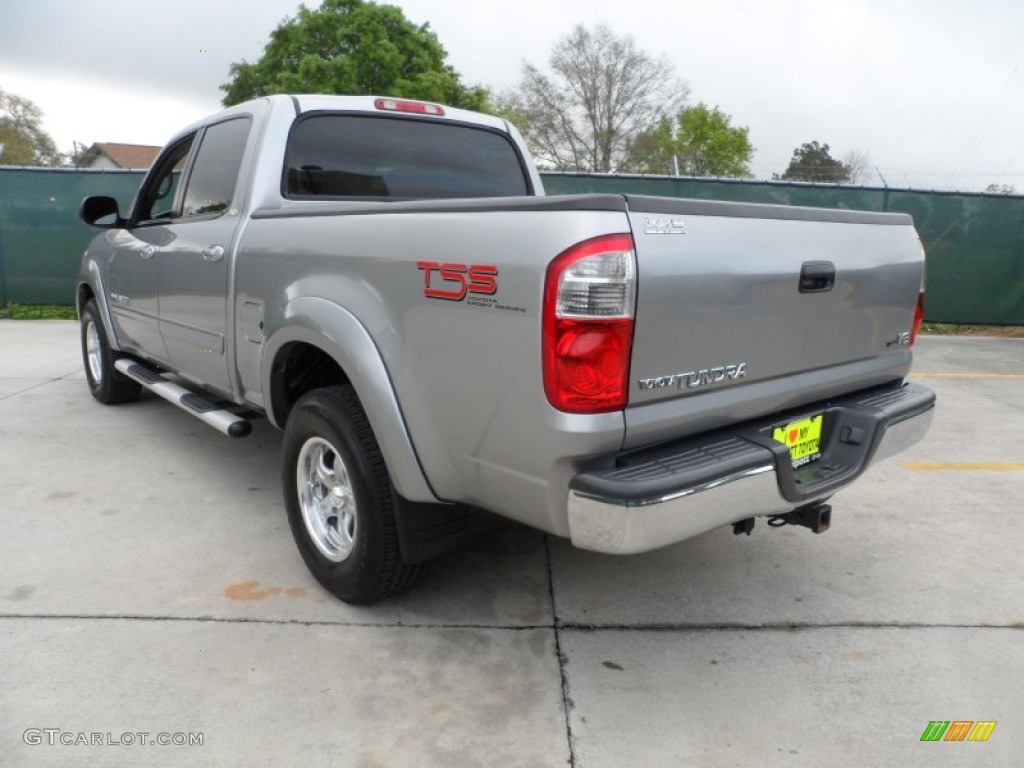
(90, 286)
(321, 343)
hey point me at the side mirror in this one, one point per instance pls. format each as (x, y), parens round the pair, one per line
(100, 211)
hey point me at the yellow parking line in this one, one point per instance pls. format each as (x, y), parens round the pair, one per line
(969, 375)
(967, 465)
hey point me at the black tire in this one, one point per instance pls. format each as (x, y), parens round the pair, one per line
(357, 556)
(106, 383)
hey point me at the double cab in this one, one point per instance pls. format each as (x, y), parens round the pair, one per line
(386, 282)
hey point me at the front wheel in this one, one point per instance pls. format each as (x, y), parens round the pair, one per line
(339, 499)
(106, 383)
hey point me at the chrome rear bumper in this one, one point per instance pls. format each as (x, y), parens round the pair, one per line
(661, 496)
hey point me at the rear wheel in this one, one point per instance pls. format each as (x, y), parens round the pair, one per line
(339, 498)
(106, 383)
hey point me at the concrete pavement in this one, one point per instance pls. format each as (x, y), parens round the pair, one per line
(148, 583)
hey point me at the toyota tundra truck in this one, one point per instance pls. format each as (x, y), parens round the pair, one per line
(385, 281)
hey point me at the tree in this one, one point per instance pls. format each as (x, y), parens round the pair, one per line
(1000, 189)
(697, 141)
(353, 47)
(22, 138)
(812, 162)
(858, 163)
(602, 93)
(78, 154)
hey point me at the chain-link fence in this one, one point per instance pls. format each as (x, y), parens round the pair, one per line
(975, 242)
(41, 237)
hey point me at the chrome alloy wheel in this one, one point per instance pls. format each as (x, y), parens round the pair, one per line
(94, 351)
(327, 499)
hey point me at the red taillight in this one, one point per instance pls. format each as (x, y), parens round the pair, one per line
(918, 317)
(402, 105)
(589, 297)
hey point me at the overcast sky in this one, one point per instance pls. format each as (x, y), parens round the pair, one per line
(931, 89)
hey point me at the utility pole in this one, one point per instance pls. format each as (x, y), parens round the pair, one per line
(885, 194)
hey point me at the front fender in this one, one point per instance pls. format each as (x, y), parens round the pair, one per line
(336, 331)
(91, 277)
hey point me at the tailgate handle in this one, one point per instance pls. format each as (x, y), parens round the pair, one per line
(817, 276)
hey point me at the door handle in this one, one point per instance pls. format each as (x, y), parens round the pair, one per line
(213, 253)
(817, 276)
(147, 251)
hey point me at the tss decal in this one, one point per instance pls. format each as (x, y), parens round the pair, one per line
(453, 281)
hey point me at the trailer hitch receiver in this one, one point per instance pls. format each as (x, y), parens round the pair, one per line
(817, 517)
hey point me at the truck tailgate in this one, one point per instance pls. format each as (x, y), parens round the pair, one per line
(738, 303)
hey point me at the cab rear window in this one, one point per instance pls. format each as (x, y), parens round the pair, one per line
(346, 156)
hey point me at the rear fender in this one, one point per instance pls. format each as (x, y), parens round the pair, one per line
(336, 331)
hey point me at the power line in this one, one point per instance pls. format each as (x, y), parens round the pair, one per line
(999, 105)
(1011, 164)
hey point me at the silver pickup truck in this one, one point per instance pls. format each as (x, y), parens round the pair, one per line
(385, 281)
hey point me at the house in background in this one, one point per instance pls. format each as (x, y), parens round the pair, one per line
(110, 155)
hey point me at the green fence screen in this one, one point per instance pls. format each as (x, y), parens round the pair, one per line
(975, 242)
(41, 237)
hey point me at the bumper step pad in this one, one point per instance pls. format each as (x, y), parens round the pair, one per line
(855, 426)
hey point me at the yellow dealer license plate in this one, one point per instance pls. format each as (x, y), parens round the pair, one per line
(803, 438)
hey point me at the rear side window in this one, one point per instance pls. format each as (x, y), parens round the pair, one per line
(357, 156)
(211, 185)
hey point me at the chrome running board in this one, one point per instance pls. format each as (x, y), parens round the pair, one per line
(229, 423)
